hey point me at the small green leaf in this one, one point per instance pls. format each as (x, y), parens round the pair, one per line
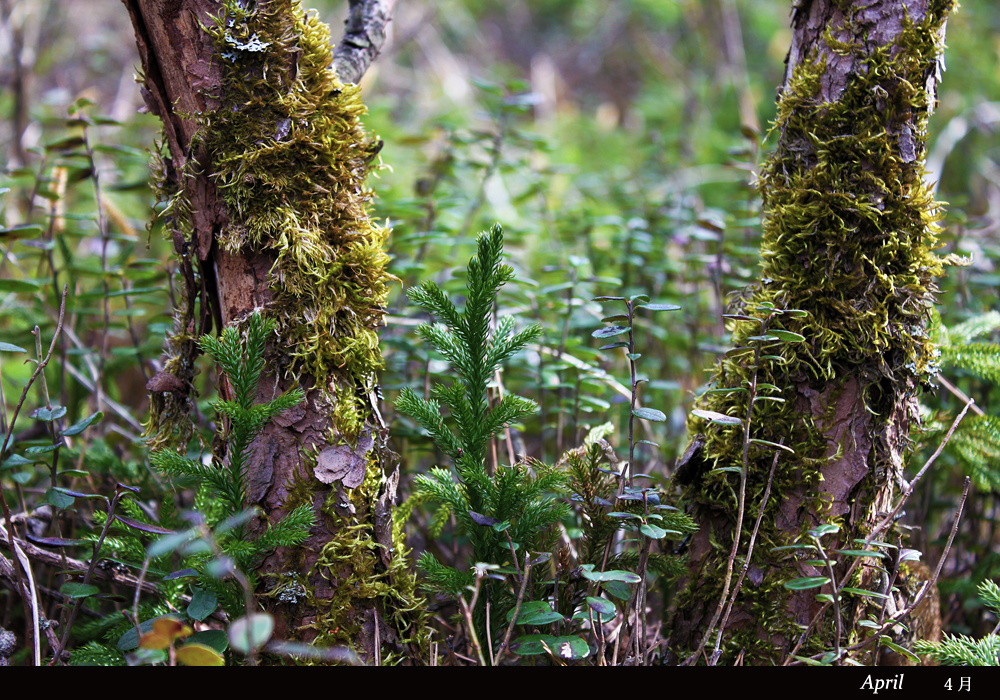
(251, 632)
(624, 576)
(79, 494)
(612, 346)
(21, 231)
(649, 414)
(652, 532)
(787, 336)
(610, 331)
(23, 286)
(859, 553)
(763, 338)
(719, 418)
(531, 644)
(887, 642)
(78, 590)
(569, 647)
(78, 428)
(15, 461)
(7, 347)
(602, 606)
(801, 584)
(619, 589)
(862, 592)
(825, 529)
(203, 604)
(49, 414)
(58, 498)
(659, 307)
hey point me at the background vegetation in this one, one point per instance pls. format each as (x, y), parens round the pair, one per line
(617, 143)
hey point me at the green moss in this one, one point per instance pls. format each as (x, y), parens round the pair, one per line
(352, 561)
(290, 158)
(849, 234)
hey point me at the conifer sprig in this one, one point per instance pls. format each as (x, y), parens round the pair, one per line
(242, 361)
(515, 505)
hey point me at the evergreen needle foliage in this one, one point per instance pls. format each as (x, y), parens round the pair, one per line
(489, 507)
(242, 362)
(976, 443)
(960, 650)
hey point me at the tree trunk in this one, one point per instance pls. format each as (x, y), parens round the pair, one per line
(849, 230)
(266, 203)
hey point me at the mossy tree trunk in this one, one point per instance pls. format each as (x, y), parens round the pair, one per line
(849, 229)
(263, 177)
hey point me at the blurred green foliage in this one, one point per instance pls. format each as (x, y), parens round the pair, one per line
(616, 141)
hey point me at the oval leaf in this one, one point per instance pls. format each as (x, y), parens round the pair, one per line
(801, 584)
(787, 336)
(649, 414)
(609, 331)
(194, 654)
(659, 307)
(653, 532)
(49, 414)
(602, 606)
(78, 428)
(719, 418)
(251, 632)
(203, 604)
(78, 590)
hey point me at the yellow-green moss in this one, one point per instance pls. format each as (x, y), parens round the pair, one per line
(849, 232)
(290, 158)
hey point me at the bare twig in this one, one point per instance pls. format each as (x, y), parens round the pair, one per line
(467, 609)
(364, 36)
(884, 524)
(746, 562)
(517, 611)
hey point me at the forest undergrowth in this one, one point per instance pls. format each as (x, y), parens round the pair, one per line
(537, 382)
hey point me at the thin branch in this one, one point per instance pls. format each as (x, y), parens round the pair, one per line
(364, 36)
(746, 562)
(883, 524)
